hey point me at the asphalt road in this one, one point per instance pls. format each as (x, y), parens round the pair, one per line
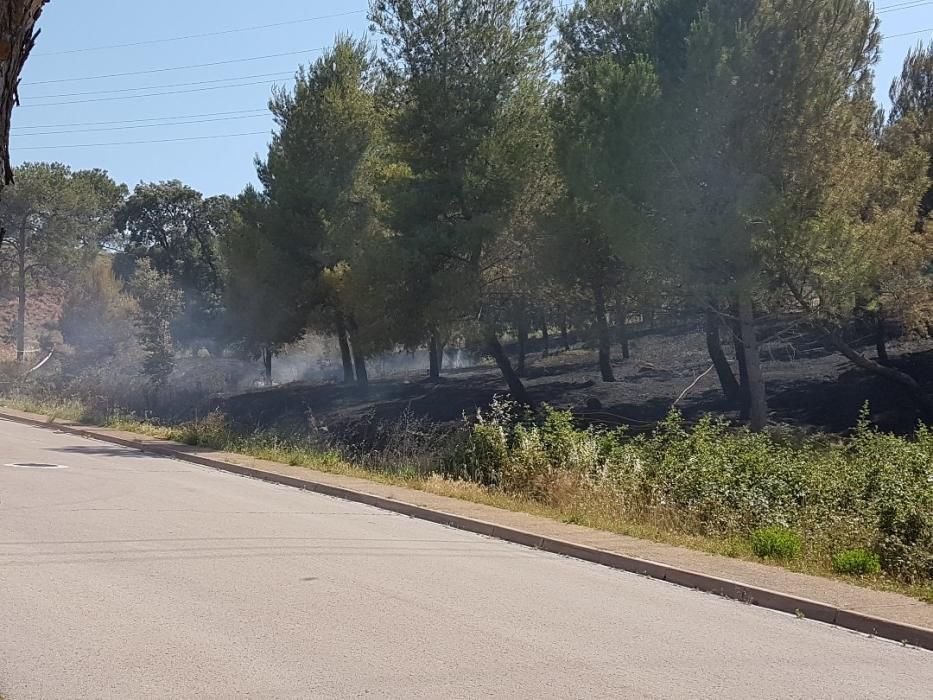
(128, 576)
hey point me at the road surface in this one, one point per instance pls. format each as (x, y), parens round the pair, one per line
(125, 576)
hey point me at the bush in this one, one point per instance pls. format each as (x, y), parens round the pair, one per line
(776, 543)
(715, 480)
(897, 492)
(858, 562)
(211, 431)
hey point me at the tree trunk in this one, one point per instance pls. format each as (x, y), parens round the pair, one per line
(744, 403)
(17, 37)
(434, 358)
(21, 298)
(564, 332)
(267, 364)
(881, 340)
(757, 398)
(545, 337)
(730, 387)
(359, 363)
(622, 330)
(522, 331)
(345, 354)
(902, 379)
(602, 331)
(516, 388)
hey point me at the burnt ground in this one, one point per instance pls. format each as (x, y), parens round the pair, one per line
(808, 387)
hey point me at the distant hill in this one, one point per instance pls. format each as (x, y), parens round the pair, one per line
(42, 309)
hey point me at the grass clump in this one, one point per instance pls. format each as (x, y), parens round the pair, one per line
(857, 562)
(776, 543)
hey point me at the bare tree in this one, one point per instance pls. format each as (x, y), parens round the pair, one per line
(17, 37)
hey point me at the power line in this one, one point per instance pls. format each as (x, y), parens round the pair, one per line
(160, 87)
(248, 59)
(264, 115)
(896, 7)
(919, 31)
(174, 68)
(146, 119)
(134, 143)
(204, 35)
(148, 94)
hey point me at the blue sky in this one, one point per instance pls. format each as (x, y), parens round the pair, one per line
(220, 107)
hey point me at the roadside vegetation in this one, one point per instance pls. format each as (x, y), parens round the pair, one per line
(859, 507)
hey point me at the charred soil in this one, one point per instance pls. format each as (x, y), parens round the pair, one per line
(809, 387)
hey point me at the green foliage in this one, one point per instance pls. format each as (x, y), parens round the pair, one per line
(897, 490)
(316, 214)
(856, 562)
(158, 304)
(54, 220)
(53, 215)
(472, 137)
(776, 543)
(599, 231)
(912, 91)
(97, 314)
(713, 479)
(177, 230)
(911, 117)
(265, 308)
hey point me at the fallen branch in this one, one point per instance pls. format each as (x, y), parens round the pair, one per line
(41, 364)
(695, 382)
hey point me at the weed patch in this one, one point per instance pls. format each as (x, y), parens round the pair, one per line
(775, 543)
(857, 562)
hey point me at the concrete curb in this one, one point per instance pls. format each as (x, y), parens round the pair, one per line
(752, 595)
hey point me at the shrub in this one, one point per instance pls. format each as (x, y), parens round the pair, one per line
(859, 562)
(719, 481)
(728, 481)
(211, 431)
(897, 492)
(775, 543)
